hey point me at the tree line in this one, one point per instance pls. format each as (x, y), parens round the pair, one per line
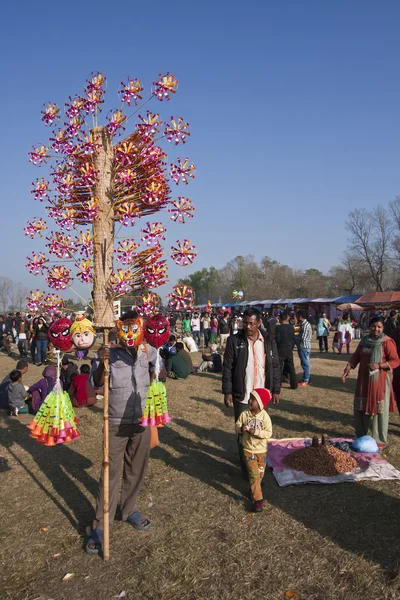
(371, 262)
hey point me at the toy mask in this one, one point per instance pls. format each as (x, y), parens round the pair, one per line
(157, 331)
(59, 334)
(82, 333)
(130, 332)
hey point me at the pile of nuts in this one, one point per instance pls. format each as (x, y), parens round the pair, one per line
(321, 461)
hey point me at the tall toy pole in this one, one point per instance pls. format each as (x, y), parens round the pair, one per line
(103, 230)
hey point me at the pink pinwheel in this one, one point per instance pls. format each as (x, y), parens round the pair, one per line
(150, 124)
(52, 305)
(116, 118)
(165, 86)
(60, 245)
(130, 91)
(127, 214)
(34, 303)
(85, 272)
(182, 170)
(74, 107)
(59, 278)
(34, 227)
(120, 282)
(153, 233)
(85, 243)
(177, 131)
(184, 253)
(51, 113)
(183, 208)
(39, 154)
(126, 251)
(182, 297)
(37, 263)
(40, 189)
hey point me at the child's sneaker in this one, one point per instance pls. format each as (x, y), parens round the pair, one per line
(14, 412)
(258, 506)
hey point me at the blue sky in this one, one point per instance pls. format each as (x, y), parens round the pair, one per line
(293, 106)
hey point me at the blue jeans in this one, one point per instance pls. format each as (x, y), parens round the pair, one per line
(304, 355)
(207, 336)
(196, 336)
(41, 349)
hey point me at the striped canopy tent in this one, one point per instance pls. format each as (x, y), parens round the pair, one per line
(379, 300)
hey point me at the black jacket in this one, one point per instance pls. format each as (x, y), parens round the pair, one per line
(235, 362)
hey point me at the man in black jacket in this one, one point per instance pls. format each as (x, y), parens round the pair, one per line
(285, 342)
(251, 361)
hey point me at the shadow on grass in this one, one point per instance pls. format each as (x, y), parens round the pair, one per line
(357, 518)
(212, 402)
(318, 413)
(61, 465)
(333, 383)
(195, 460)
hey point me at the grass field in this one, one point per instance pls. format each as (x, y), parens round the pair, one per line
(322, 542)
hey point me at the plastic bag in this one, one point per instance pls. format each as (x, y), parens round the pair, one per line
(365, 444)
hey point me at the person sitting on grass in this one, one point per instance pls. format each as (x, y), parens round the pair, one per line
(17, 394)
(81, 392)
(22, 366)
(185, 355)
(255, 428)
(175, 365)
(211, 362)
(170, 346)
(42, 388)
(68, 371)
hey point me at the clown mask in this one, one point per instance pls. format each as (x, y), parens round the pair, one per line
(59, 334)
(157, 331)
(130, 332)
(83, 334)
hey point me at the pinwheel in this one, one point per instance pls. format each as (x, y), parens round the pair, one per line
(182, 208)
(150, 124)
(85, 272)
(165, 86)
(182, 170)
(237, 294)
(59, 278)
(39, 154)
(85, 243)
(32, 228)
(126, 251)
(51, 113)
(115, 118)
(176, 131)
(37, 263)
(182, 297)
(120, 282)
(60, 245)
(153, 233)
(148, 305)
(130, 91)
(52, 305)
(184, 253)
(34, 302)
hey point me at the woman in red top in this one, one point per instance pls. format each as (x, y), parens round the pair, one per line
(377, 356)
(81, 392)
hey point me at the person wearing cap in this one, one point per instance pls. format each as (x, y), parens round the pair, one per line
(255, 427)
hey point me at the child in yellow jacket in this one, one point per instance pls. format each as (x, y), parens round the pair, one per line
(256, 429)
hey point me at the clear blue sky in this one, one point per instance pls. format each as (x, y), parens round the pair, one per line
(294, 112)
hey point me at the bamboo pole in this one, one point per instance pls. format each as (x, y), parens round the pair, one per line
(106, 464)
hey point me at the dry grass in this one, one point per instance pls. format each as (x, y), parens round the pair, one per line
(323, 542)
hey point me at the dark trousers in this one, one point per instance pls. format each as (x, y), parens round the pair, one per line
(323, 340)
(23, 347)
(129, 445)
(287, 366)
(33, 350)
(239, 408)
(207, 336)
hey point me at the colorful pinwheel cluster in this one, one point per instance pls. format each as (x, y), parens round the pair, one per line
(39, 302)
(184, 253)
(238, 295)
(139, 186)
(182, 297)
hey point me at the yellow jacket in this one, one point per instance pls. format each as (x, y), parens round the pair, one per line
(256, 443)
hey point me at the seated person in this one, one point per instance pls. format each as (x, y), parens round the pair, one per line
(185, 354)
(190, 344)
(212, 361)
(175, 365)
(170, 346)
(81, 392)
(43, 387)
(17, 394)
(68, 371)
(22, 366)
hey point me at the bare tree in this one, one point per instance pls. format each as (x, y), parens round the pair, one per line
(5, 288)
(20, 294)
(371, 238)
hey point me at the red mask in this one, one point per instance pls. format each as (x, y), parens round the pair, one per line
(59, 334)
(156, 331)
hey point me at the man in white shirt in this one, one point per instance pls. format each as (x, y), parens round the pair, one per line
(195, 325)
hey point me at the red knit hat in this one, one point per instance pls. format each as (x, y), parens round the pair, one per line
(262, 395)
